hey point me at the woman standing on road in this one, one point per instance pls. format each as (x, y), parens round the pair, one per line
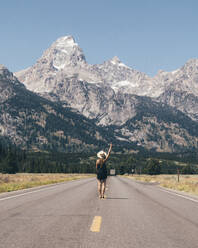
(101, 171)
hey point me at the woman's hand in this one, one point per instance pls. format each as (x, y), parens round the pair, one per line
(110, 148)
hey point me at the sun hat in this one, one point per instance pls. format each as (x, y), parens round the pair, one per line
(101, 154)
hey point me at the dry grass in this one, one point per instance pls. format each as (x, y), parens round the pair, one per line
(187, 183)
(27, 180)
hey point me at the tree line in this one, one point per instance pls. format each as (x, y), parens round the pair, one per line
(14, 160)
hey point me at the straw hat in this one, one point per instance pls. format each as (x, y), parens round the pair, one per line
(101, 154)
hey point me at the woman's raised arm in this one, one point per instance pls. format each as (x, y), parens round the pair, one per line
(110, 148)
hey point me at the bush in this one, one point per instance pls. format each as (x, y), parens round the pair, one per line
(189, 169)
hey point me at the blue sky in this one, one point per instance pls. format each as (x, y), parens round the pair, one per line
(146, 35)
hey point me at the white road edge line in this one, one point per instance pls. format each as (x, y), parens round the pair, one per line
(46, 187)
(174, 193)
(31, 192)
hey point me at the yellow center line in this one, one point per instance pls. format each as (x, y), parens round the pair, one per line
(96, 224)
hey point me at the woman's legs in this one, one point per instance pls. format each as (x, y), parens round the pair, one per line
(100, 188)
(103, 187)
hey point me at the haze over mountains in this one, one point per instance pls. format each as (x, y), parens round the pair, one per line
(156, 113)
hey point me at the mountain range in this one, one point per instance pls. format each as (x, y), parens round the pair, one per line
(126, 105)
(35, 123)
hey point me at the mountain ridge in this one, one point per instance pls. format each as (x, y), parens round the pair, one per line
(115, 96)
(71, 61)
(112, 79)
(34, 122)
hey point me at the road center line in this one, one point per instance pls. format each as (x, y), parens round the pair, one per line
(96, 224)
(174, 193)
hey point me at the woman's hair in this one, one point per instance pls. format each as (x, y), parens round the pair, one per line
(101, 154)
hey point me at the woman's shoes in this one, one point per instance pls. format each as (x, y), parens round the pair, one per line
(101, 196)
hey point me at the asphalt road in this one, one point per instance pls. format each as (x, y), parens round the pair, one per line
(71, 215)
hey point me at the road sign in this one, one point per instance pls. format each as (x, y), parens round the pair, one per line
(112, 172)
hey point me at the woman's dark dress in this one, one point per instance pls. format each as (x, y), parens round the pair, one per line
(101, 172)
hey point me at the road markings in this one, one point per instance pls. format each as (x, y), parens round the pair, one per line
(27, 193)
(42, 188)
(174, 193)
(96, 224)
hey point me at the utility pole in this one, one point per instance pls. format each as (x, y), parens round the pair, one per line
(178, 174)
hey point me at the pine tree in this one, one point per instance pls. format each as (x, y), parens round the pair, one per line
(9, 164)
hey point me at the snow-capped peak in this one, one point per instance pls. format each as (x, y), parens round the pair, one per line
(65, 41)
(64, 52)
(116, 61)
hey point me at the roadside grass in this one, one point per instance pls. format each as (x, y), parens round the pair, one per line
(187, 183)
(12, 182)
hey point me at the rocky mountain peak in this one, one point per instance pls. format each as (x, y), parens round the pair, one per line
(63, 72)
(191, 67)
(63, 56)
(65, 41)
(2, 67)
(8, 84)
(193, 61)
(115, 60)
(160, 72)
(64, 52)
(5, 73)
